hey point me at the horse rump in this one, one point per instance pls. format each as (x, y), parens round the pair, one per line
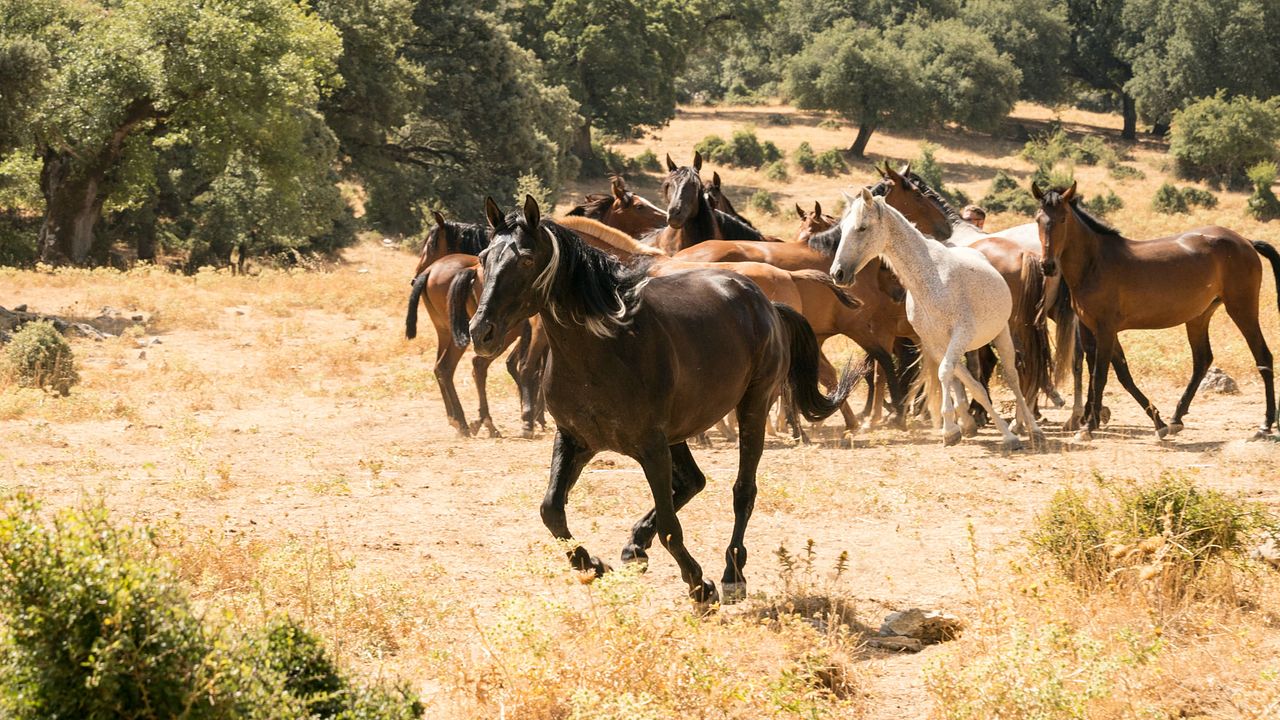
(802, 373)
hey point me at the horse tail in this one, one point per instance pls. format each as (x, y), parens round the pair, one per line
(825, 280)
(1064, 338)
(1270, 253)
(802, 375)
(1037, 356)
(459, 291)
(411, 317)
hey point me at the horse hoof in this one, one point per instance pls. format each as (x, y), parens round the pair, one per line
(969, 431)
(528, 434)
(1084, 435)
(635, 555)
(704, 594)
(1038, 438)
(1162, 432)
(1105, 416)
(1012, 444)
(844, 444)
(1265, 434)
(475, 426)
(1071, 424)
(494, 433)
(1175, 428)
(734, 592)
(951, 438)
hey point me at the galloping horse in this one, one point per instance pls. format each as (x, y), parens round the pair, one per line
(690, 217)
(622, 209)
(640, 364)
(1117, 284)
(451, 249)
(956, 302)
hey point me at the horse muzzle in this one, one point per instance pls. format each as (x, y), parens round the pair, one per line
(485, 338)
(842, 277)
(1050, 267)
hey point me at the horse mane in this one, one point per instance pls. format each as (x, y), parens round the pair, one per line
(586, 285)
(1053, 198)
(595, 206)
(610, 236)
(936, 198)
(472, 238)
(735, 227)
(826, 241)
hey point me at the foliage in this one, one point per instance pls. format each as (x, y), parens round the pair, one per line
(1166, 536)
(1006, 195)
(1171, 199)
(1126, 172)
(744, 149)
(1103, 205)
(805, 159)
(1218, 138)
(762, 201)
(529, 184)
(1263, 203)
(1035, 36)
(1059, 176)
(1051, 147)
(927, 167)
(39, 357)
(647, 161)
(830, 163)
(777, 171)
(96, 625)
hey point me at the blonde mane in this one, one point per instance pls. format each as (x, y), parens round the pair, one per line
(616, 239)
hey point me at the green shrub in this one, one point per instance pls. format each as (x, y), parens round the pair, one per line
(770, 152)
(1051, 147)
(709, 146)
(777, 171)
(1126, 172)
(530, 184)
(1218, 139)
(39, 357)
(1006, 195)
(1103, 205)
(927, 167)
(647, 161)
(1197, 197)
(762, 201)
(830, 163)
(18, 235)
(1093, 150)
(1263, 203)
(1054, 176)
(805, 159)
(1170, 199)
(744, 149)
(604, 161)
(1168, 532)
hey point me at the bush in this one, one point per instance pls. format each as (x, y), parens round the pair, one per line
(93, 624)
(1054, 176)
(929, 170)
(830, 163)
(744, 149)
(647, 161)
(1126, 172)
(1170, 199)
(18, 235)
(777, 171)
(1103, 205)
(530, 184)
(762, 201)
(1049, 148)
(805, 159)
(1217, 139)
(1263, 203)
(39, 357)
(1167, 536)
(709, 146)
(1006, 195)
(770, 152)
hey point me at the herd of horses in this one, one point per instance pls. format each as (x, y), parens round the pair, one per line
(639, 328)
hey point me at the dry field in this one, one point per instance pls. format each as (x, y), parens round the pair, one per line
(292, 446)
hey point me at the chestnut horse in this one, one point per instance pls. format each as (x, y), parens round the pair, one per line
(1117, 284)
(622, 209)
(639, 365)
(450, 249)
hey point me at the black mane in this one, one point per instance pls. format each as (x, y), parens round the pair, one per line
(737, 228)
(472, 238)
(590, 287)
(923, 188)
(1053, 198)
(826, 241)
(594, 207)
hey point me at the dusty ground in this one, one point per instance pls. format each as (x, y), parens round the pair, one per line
(286, 408)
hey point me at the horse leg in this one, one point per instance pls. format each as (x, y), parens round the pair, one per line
(964, 413)
(568, 458)
(1009, 373)
(480, 373)
(447, 357)
(1098, 350)
(827, 376)
(1201, 359)
(871, 376)
(985, 361)
(655, 458)
(947, 368)
(752, 409)
(1245, 316)
(1078, 406)
(687, 480)
(1011, 441)
(1121, 366)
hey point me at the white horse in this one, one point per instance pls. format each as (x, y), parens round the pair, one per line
(956, 301)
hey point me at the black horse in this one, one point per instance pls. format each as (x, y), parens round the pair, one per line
(639, 365)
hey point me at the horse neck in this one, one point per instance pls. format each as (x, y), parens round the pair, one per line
(908, 253)
(1081, 249)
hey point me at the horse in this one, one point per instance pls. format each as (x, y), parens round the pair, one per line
(1117, 284)
(450, 250)
(640, 364)
(622, 209)
(956, 301)
(690, 217)
(812, 223)
(1018, 263)
(720, 201)
(828, 309)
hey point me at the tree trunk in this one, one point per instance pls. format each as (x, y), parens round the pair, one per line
(73, 204)
(859, 147)
(582, 142)
(1130, 131)
(1160, 129)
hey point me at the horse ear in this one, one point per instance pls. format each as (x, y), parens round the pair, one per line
(1036, 192)
(532, 215)
(715, 180)
(897, 177)
(671, 166)
(1070, 193)
(619, 188)
(848, 200)
(697, 161)
(435, 215)
(800, 212)
(493, 214)
(817, 209)
(866, 196)
(906, 168)
(883, 169)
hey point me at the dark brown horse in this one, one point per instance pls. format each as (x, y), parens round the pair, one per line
(622, 209)
(720, 201)
(638, 366)
(1117, 284)
(690, 217)
(451, 249)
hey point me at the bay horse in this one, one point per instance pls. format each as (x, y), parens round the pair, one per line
(449, 250)
(956, 301)
(690, 217)
(720, 201)
(1117, 284)
(622, 209)
(640, 364)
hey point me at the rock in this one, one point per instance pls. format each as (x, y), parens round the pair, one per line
(896, 643)
(1268, 552)
(929, 626)
(20, 308)
(1218, 381)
